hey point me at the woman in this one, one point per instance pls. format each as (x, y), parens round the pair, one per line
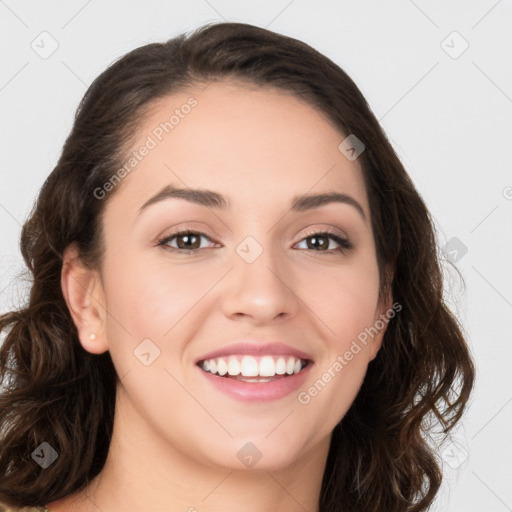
(237, 299)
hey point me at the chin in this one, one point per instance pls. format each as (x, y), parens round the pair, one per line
(260, 452)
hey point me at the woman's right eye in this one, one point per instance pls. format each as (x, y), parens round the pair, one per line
(187, 241)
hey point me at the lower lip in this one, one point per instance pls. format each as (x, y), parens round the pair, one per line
(258, 391)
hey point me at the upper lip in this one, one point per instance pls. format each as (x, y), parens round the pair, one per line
(255, 349)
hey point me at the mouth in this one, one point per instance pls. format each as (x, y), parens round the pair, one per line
(254, 369)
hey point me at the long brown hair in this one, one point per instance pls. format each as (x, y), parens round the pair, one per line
(379, 459)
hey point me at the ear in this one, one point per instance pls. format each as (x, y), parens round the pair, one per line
(385, 311)
(83, 292)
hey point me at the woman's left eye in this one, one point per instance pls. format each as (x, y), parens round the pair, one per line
(190, 242)
(344, 243)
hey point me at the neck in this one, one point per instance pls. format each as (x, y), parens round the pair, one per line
(143, 472)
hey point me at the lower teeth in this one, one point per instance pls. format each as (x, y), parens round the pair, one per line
(254, 379)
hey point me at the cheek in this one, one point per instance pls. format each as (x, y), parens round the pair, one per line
(347, 310)
(344, 299)
(148, 298)
(156, 302)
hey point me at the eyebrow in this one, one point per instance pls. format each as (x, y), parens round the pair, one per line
(212, 199)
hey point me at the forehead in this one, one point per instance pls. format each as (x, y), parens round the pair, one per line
(258, 146)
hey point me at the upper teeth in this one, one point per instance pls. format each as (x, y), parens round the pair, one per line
(250, 366)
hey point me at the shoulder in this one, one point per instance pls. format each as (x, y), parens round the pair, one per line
(6, 508)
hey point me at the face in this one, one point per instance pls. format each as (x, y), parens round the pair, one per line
(262, 280)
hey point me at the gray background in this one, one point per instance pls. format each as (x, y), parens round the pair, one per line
(447, 111)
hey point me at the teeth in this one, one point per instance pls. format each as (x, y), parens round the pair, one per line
(222, 367)
(267, 367)
(233, 366)
(280, 366)
(250, 366)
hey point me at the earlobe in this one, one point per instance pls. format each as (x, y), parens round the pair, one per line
(83, 292)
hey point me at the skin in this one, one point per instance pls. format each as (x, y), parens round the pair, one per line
(176, 437)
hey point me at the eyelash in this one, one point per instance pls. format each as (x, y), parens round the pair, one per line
(345, 244)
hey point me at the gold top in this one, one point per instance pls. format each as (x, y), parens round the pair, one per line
(5, 508)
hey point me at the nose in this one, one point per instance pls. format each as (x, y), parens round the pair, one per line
(260, 290)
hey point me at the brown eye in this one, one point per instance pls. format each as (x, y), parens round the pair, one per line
(319, 242)
(187, 241)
